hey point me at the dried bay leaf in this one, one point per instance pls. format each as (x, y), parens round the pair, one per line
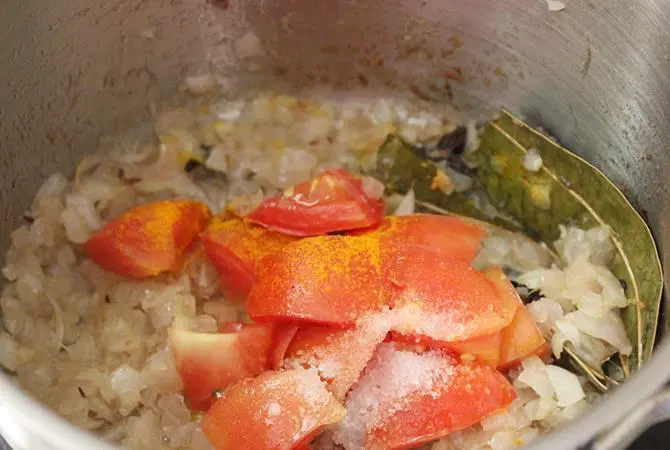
(565, 191)
(401, 169)
(569, 190)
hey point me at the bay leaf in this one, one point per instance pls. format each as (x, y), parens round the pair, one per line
(402, 169)
(568, 190)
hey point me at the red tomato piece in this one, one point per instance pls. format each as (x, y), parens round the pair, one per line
(339, 356)
(148, 239)
(208, 362)
(405, 399)
(235, 246)
(284, 336)
(333, 201)
(275, 411)
(446, 300)
(485, 349)
(520, 339)
(327, 280)
(450, 236)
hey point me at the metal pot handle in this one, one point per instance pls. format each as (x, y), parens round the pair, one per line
(650, 412)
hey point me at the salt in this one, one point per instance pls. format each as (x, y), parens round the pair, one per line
(274, 409)
(390, 379)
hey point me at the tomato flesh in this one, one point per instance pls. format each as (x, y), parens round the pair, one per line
(327, 280)
(485, 349)
(520, 339)
(333, 201)
(338, 355)
(209, 362)
(274, 411)
(283, 337)
(235, 247)
(334, 280)
(148, 239)
(446, 300)
(451, 237)
(406, 399)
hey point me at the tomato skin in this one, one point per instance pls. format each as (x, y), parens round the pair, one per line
(473, 393)
(446, 300)
(283, 337)
(484, 349)
(450, 236)
(235, 248)
(207, 362)
(520, 339)
(274, 411)
(418, 397)
(324, 280)
(335, 280)
(333, 201)
(148, 239)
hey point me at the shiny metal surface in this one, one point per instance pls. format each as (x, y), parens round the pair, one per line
(595, 75)
(648, 413)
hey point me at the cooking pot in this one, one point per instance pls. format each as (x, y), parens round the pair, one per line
(594, 74)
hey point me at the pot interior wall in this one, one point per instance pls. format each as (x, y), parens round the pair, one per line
(594, 74)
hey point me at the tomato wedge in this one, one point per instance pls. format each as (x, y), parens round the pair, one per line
(446, 300)
(284, 335)
(148, 239)
(339, 356)
(335, 280)
(405, 399)
(450, 236)
(327, 280)
(520, 339)
(275, 411)
(485, 349)
(208, 362)
(235, 246)
(333, 201)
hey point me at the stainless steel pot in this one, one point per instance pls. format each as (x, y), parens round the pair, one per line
(594, 74)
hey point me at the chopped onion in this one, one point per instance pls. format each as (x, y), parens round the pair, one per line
(373, 188)
(248, 46)
(534, 375)
(566, 385)
(9, 356)
(539, 408)
(555, 5)
(608, 328)
(201, 84)
(407, 205)
(472, 137)
(546, 312)
(217, 160)
(461, 181)
(244, 204)
(532, 161)
(443, 182)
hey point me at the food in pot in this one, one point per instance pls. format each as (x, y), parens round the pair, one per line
(249, 281)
